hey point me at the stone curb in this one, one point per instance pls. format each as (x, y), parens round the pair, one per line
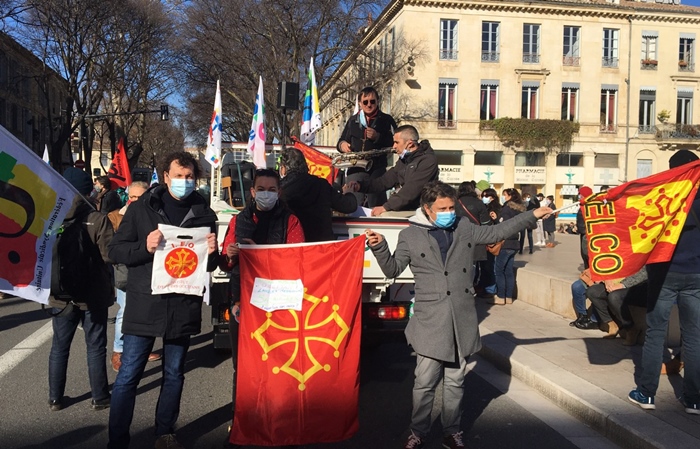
(619, 421)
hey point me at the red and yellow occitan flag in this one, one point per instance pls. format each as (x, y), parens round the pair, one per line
(298, 371)
(319, 163)
(638, 222)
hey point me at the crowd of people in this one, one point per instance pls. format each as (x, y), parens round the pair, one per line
(460, 245)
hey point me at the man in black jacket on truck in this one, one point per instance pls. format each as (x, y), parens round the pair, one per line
(172, 317)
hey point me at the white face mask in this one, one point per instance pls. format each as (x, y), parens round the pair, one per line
(265, 200)
(486, 199)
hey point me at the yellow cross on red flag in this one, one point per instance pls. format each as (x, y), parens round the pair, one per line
(320, 164)
(638, 222)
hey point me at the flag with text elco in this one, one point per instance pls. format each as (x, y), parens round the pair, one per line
(34, 200)
(299, 343)
(638, 222)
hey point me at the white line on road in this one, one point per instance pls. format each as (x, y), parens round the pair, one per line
(24, 349)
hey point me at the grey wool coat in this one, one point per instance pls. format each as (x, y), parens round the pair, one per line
(444, 313)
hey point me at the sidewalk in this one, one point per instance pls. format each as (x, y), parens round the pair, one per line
(582, 373)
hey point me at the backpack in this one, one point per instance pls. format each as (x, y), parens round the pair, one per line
(75, 262)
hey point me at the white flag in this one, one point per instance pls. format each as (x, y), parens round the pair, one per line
(311, 116)
(213, 154)
(154, 177)
(46, 154)
(256, 139)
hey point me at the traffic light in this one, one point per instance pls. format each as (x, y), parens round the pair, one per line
(164, 114)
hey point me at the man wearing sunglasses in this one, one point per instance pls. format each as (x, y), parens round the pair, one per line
(368, 130)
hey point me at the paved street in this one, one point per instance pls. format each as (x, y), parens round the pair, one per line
(512, 415)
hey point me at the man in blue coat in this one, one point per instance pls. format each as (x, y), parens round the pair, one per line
(444, 329)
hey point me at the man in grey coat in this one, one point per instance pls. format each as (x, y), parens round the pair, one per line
(444, 329)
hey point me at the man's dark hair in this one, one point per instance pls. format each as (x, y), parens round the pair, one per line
(366, 91)
(294, 161)
(267, 173)
(467, 188)
(491, 193)
(604, 188)
(550, 198)
(682, 157)
(407, 131)
(434, 190)
(104, 182)
(183, 159)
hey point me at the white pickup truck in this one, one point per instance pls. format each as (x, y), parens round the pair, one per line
(386, 302)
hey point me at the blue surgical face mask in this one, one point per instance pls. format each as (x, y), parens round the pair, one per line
(503, 199)
(265, 200)
(403, 154)
(444, 219)
(486, 199)
(181, 188)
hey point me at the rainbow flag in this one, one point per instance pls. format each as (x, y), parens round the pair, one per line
(311, 116)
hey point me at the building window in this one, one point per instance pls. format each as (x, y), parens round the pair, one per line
(530, 100)
(649, 59)
(611, 40)
(569, 102)
(606, 160)
(647, 111)
(572, 45)
(531, 43)
(489, 41)
(608, 109)
(4, 67)
(684, 106)
(686, 53)
(529, 159)
(569, 160)
(448, 39)
(488, 103)
(447, 99)
(488, 158)
(449, 157)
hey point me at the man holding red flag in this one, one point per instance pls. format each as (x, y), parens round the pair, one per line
(675, 281)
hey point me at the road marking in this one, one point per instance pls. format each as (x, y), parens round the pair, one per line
(24, 349)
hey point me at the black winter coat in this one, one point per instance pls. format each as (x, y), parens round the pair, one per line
(312, 200)
(509, 210)
(354, 134)
(412, 172)
(146, 314)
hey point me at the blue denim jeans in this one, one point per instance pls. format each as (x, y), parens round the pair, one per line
(505, 276)
(685, 289)
(118, 342)
(134, 359)
(95, 328)
(578, 293)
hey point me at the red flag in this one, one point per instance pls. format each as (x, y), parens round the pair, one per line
(298, 378)
(319, 163)
(119, 172)
(638, 222)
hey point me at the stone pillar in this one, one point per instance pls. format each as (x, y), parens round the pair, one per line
(588, 168)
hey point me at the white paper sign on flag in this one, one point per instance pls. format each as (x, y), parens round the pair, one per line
(273, 294)
(180, 261)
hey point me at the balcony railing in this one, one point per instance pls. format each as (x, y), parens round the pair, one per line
(647, 129)
(674, 131)
(531, 58)
(684, 66)
(571, 60)
(610, 62)
(608, 128)
(649, 64)
(445, 123)
(489, 56)
(449, 55)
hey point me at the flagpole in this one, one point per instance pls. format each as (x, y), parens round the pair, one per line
(565, 207)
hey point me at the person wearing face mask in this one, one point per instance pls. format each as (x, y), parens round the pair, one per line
(368, 130)
(417, 166)
(106, 200)
(505, 276)
(264, 221)
(443, 331)
(539, 232)
(172, 317)
(550, 224)
(311, 198)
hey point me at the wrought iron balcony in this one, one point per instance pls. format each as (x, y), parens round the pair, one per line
(675, 136)
(448, 55)
(490, 56)
(610, 62)
(446, 123)
(647, 129)
(531, 58)
(571, 61)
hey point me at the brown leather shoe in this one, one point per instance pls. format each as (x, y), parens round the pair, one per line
(154, 356)
(613, 330)
(116, 361)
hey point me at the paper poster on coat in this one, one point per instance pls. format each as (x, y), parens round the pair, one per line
(270, 295)
(180, 261)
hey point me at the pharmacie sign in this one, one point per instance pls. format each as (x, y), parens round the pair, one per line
(451, 174)
(530, 175)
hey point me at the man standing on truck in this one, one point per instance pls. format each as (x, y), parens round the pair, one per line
(368, 130)
(444, 329)
(417, 166)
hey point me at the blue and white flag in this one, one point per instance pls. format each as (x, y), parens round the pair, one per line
(311, 116)
(213, 154)
(256, 138)
(154, 177)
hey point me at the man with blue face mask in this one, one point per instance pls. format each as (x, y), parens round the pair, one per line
(444, 329)
(172, 317)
